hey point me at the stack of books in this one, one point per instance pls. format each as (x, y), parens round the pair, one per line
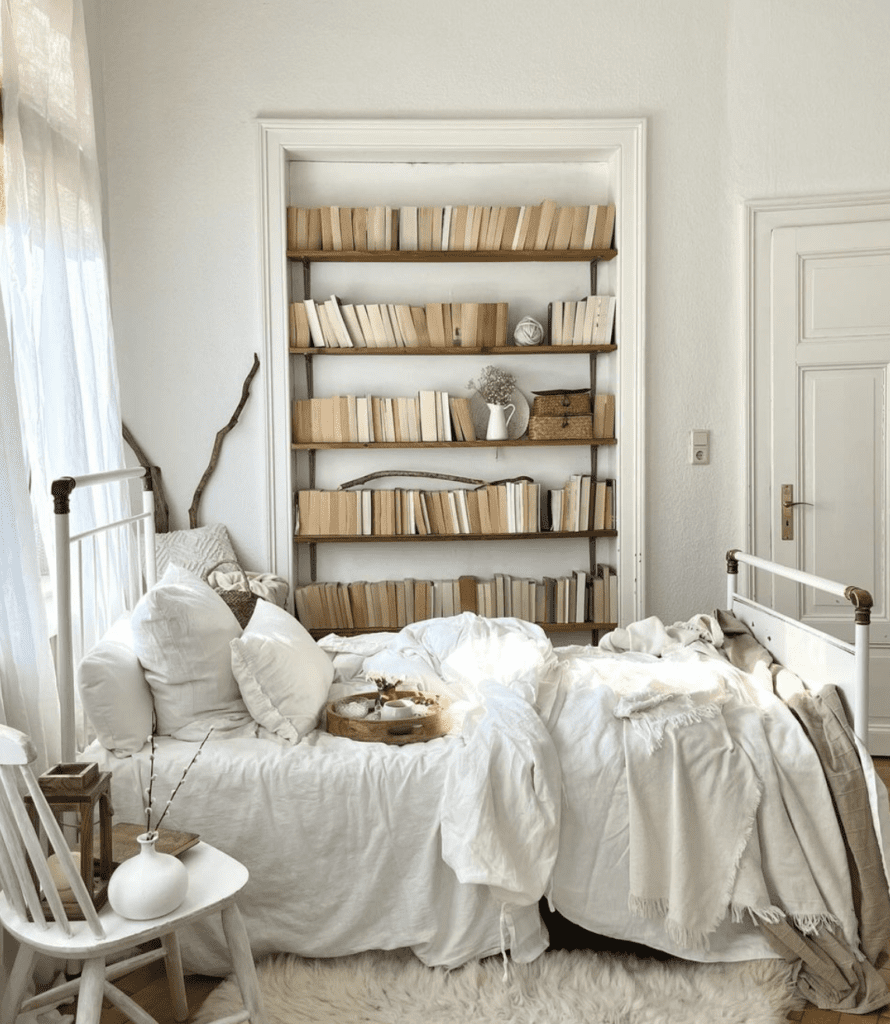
(469, 228)
(513, 507)
(578, 597)
(334, 324)
(359, 419)
(582, 504)
(583, 322)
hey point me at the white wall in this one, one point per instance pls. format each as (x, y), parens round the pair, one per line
(745, 99)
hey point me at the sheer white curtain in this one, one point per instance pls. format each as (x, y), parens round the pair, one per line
(54, 278)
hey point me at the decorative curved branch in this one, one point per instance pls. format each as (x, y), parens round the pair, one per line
(162, 512)
(245, 392)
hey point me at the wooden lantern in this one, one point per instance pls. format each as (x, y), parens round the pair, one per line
(83, 791)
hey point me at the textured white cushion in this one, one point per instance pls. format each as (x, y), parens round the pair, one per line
(114, 692)
(198, 550)
(181, 634)
(283, 675)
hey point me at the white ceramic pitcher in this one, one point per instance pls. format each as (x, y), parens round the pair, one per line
(498, 421)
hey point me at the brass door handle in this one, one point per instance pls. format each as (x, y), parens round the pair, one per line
(788, 503)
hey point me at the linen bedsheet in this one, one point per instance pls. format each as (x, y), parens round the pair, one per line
(555, 781)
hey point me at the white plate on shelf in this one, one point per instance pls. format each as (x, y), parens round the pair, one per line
(518, 421)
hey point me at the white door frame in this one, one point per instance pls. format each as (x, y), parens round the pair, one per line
(617, 143)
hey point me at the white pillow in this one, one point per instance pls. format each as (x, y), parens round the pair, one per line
(283, 674)
(114, 692)
(181, 634)
(198, 550)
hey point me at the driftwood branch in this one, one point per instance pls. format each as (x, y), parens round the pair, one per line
(217, 445)
(431, 476)
(162, 512)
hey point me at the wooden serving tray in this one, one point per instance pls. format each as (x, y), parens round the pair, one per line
(417, 729)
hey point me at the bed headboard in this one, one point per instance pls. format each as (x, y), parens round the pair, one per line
(123, 550)
(815, 656)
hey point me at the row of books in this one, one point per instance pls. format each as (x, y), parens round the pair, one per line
(511, 507)
(582, 322)
(334, 324)
(542, 226)
(345, 419)
(428, 416)
(578, 597)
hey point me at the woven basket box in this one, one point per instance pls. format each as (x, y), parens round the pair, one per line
(551, 428)
(564, 404)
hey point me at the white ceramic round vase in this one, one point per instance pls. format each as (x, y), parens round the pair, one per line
(148, 885)
(498, 419)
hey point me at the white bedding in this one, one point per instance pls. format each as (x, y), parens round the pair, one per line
(446, 846)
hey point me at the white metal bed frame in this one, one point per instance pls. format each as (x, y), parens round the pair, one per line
(814, 656)
(70, 548)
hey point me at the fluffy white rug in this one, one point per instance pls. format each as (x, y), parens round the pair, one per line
(560, 987)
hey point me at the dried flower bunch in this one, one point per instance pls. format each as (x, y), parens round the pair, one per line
(386, 685)
(494, 385)
(151, 832)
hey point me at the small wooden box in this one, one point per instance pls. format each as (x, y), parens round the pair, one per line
(551, 428)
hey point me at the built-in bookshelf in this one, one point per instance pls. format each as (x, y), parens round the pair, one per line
(519, 509)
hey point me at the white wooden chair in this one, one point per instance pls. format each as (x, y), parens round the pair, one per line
(215, 879)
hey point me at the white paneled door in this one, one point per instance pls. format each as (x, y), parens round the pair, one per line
(820, 356)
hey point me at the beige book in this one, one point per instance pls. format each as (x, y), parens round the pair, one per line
(292, 232)
(482, 504)
(518, 240)
(562, 234)
(315, 331)
(401, 611)
(472, 499)
(457, 429)
(364, 322)
(605, 224)
(447, 217)
(418, 315)
(531, 228)
(458, 235)
(469, 324)
(579, 227)
(327, 328)
(299, 326)
(511, 219)
(546, 220)
(378, 329)
(413, 417)
(360, 228)
(436, 213)
(332, 308)
(578, 326)
(435, 322)
(408, 228)
(313, 229)
(484, 221)
(327, 237)
(425, 228)
(336, 228)
(555, 316)
(347, 243)
(377, 418)
(350, 317)
(406, 325)
(467, 594)
(421, 522)
(389, 328)
(428, 428)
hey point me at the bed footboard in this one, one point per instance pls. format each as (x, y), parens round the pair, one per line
(815, 656)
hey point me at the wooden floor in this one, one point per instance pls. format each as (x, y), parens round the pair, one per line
(149, 986)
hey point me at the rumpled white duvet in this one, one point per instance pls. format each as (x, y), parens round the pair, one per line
(650, 789)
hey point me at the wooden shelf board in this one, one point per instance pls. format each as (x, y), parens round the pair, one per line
(411, 538)
(585, 442)
(455, 256)
(478, 350)
(548, 627)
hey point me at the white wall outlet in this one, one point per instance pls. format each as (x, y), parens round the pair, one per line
(700, 447)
